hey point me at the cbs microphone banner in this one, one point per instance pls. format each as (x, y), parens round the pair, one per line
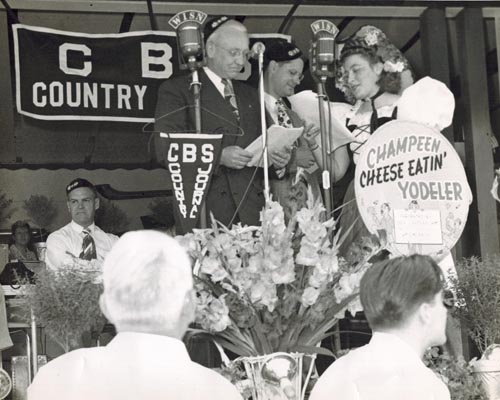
(411, 189)
(190, 160)
(96, 77)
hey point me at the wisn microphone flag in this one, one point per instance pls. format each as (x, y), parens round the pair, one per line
(190, 160)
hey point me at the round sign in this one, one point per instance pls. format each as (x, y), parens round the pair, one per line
(5, 384)
(411, 189)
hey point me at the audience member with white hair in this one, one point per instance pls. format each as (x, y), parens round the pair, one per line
(148, 296)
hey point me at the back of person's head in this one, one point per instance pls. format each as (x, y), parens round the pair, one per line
(392, 290)
(148, 284)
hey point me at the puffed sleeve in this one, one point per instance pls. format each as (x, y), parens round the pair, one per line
(305, 104)
(429, 102)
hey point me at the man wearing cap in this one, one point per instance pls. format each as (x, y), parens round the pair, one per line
(81, 238)
(148, 296)
(283, 72)
(229, 107)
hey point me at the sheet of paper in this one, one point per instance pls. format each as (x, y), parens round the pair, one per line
(417, 226)
(278, 138)
(305, 104)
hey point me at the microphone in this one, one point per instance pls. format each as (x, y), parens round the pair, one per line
(257, 49)
(322, 51)
(190, 43)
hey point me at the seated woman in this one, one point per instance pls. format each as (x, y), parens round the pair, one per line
(21, 237)
(375, 77)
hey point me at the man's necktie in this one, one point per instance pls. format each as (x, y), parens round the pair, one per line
(285, 121)
(229, 95)
(88, 247)
(283, 117)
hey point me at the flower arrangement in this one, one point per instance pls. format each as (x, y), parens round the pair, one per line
(111, 218)
(456, 373)
(276, 287)
(478, 299)
(66, 302)
(5, 204)
(478, 308)
(41, 210)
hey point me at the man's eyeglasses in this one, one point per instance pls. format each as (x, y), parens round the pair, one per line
(449, 299)
(234, 53)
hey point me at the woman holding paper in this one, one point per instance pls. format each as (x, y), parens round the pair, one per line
(373, 75)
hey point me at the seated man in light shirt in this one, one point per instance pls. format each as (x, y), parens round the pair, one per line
(81, 238)
(148, 295)
(404, 305)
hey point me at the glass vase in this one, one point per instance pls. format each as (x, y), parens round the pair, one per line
(279, 376)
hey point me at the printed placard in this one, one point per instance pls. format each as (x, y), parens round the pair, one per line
(417, 227)
(411, 189)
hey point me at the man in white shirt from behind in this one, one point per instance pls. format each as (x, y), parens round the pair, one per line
(67, 242)
(404, 305)
(148, 296)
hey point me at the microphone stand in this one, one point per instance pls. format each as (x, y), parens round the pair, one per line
(196, 86)
(263, 125)
(325, 147)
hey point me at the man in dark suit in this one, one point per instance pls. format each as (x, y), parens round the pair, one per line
(283, 72)
(229, 107)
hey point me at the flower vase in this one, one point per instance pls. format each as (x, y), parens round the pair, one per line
(488, 370)
(278, 376)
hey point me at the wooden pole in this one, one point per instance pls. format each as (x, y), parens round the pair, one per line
(481, 232)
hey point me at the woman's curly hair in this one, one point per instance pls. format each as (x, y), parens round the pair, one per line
(372, 44)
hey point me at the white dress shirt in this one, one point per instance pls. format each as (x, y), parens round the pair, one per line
(67, 242)
(133, 366)
(385, 369)
(271, 107)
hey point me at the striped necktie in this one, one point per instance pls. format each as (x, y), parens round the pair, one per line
(88, 247)
(229, 95)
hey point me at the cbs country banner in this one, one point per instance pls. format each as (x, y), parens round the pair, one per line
(62, 75)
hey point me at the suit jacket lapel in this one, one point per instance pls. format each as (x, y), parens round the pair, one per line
(213, 100)
(221, 113)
